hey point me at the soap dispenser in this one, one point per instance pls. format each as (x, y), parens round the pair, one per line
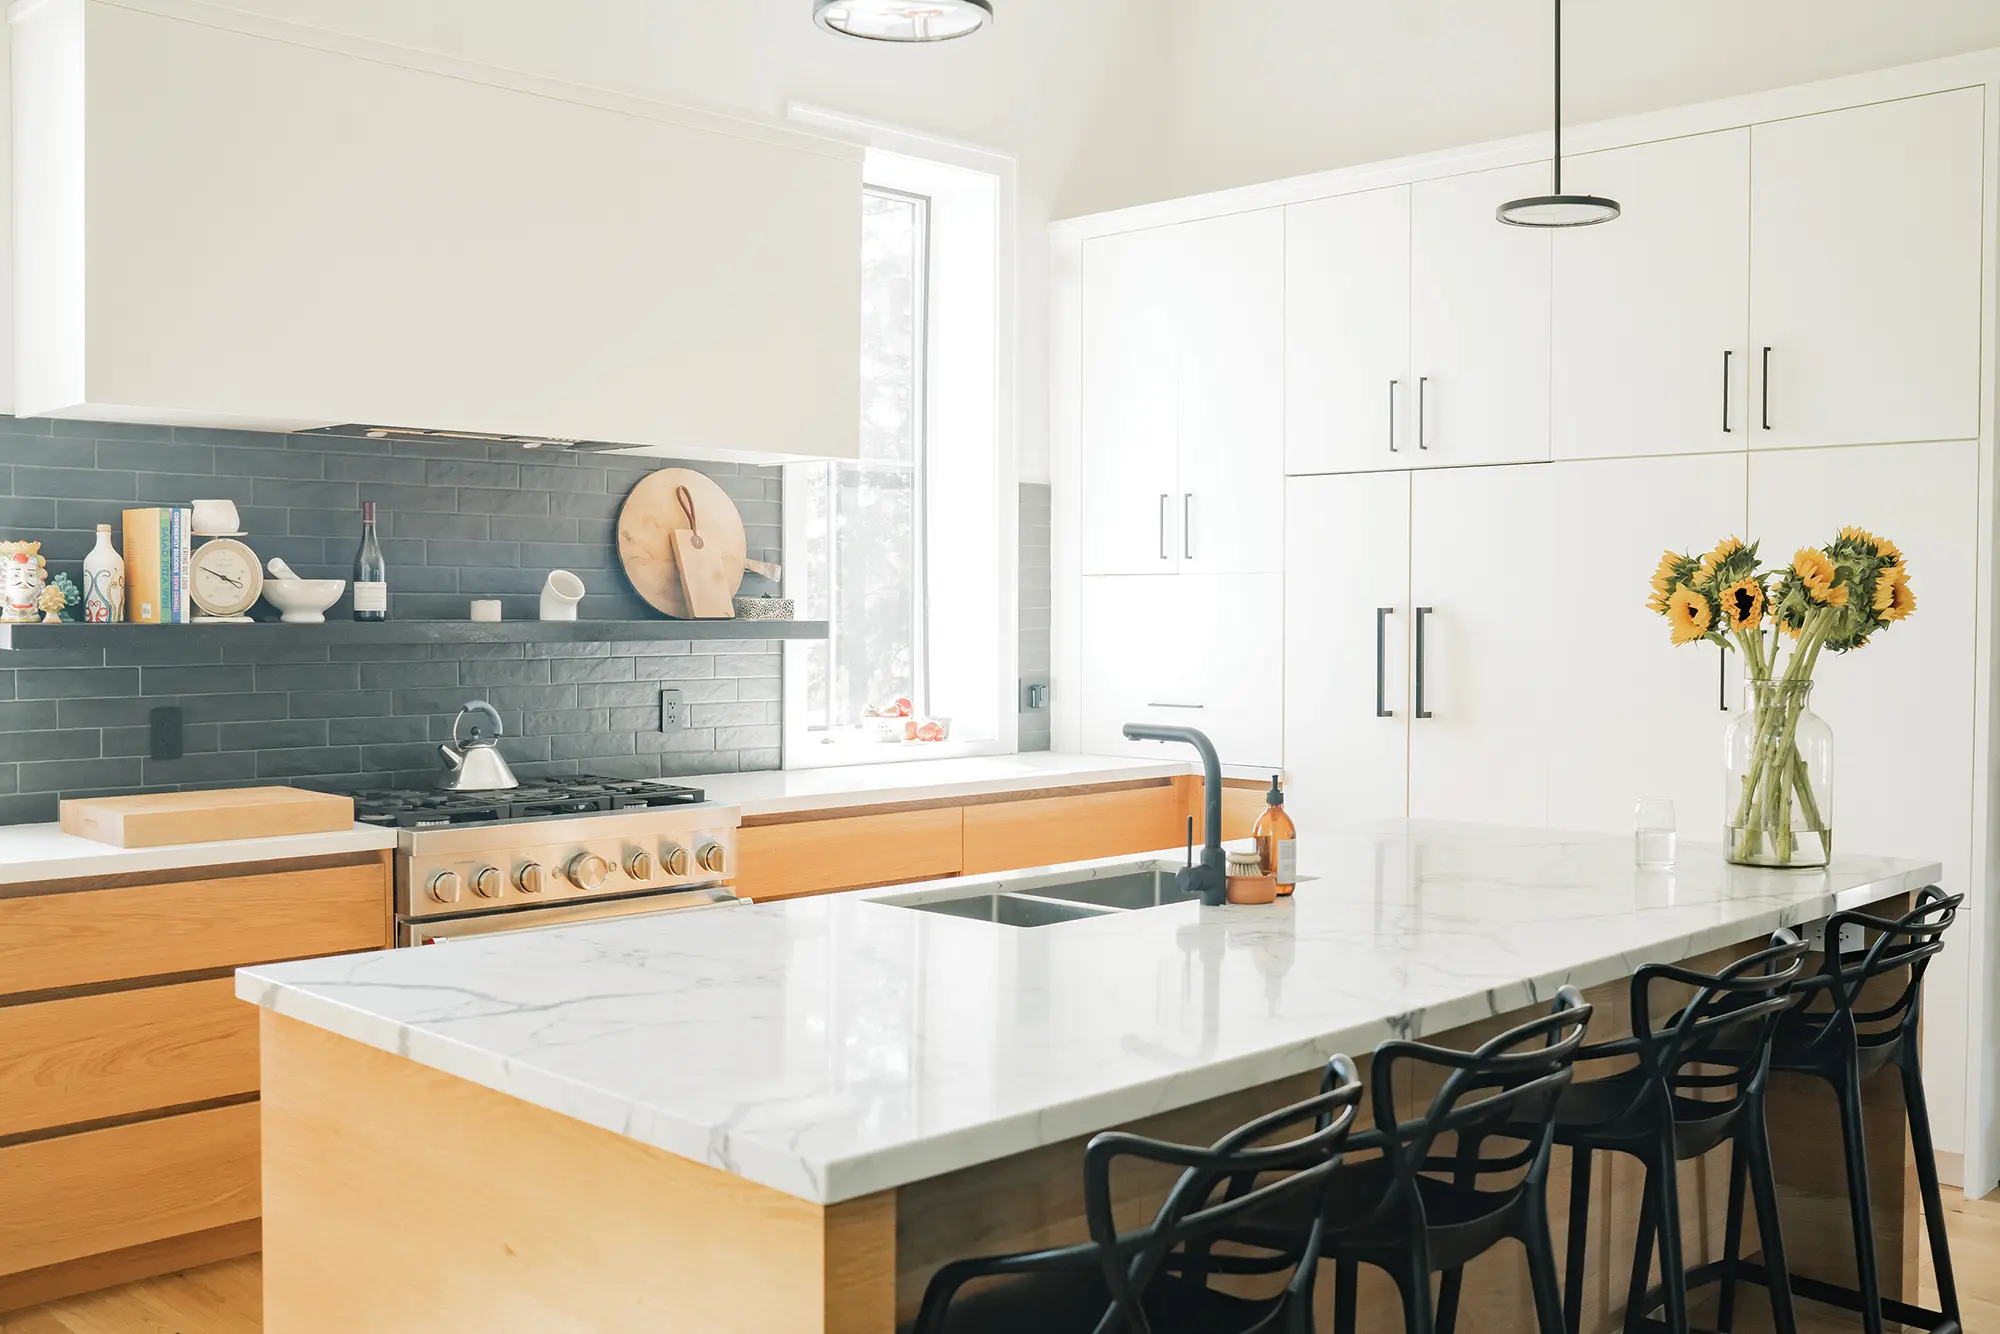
(1277, 840)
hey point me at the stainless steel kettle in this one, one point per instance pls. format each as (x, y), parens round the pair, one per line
(475, 764)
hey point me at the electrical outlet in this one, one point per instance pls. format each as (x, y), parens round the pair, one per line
(1034, 696)
(673, 713)
(167, 741)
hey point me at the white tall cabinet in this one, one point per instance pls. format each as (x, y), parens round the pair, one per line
(1491, 434)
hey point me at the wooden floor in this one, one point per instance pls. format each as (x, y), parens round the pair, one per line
(227, 1298)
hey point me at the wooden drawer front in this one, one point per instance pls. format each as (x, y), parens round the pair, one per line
(89, 1058)
(781, 861)
(104, 1190)
(1008, 835)
(104, 935)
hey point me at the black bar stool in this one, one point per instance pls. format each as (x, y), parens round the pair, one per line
(1133, 1282)
(1414, 1212)
(1833, 1039)
(1696, 1084)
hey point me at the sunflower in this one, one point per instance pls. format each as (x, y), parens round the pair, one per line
(1816, 572)
(1724, 549)
(1689, 613)
(1663, 582)
(1893, 599)
(1859, 537)
(1743, 605)
(1888, 551)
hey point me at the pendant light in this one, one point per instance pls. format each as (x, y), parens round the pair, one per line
(903, 20)
(1558, 209)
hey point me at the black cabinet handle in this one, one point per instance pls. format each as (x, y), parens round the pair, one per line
(1726, 353)
(1382, 615)
(1392, 416)
(1767, 388)
(1165, 554)
(1187, 525)
(1722, 679)
(1422, 612)
(1423, 383)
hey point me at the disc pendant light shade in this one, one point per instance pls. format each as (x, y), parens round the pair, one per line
(1558, 209)
(903, 20)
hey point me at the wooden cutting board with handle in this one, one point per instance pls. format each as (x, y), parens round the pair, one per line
(652, 514)
(161, 819)
(709, 591)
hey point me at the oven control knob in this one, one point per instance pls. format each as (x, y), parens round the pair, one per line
(713, 859)
(674, 859)
(587, 870)
(529, 878)
(445, 886)
(639, 865)
(489, 883)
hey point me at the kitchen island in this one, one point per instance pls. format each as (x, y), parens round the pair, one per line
(785, 1116)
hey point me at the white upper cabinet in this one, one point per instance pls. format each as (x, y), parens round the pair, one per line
(1347, 635)
(1865, 238)
(229, 220)
(1479, 322)
(1184, 398)
(1651, 310)
(1131, 472)
(1633, 715)
(1347, 333)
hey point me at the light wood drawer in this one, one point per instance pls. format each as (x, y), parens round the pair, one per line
(1008, 835)
(90, 1058)
(106, 935)
(104, 1190)
(782, 861)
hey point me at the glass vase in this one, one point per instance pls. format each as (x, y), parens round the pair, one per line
(1778, 790)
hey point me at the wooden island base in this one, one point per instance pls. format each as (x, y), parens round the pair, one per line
(398, 1198)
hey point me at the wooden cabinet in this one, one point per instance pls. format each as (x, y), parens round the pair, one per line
(1866, 232)
(1347, 632)
(1347, 333)
(1183, 417)
(794, 858)
(1043, 831)
(128, 1068)
(1629, 715)
(1479, 322)
(1190, 651)
(228, 220)
(1651, 346)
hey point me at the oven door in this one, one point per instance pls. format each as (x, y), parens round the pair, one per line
(435, 930)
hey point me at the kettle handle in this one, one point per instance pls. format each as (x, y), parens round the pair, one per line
(476, 706)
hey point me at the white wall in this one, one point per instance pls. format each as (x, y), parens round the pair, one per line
(1075, 91)
(1263, 89)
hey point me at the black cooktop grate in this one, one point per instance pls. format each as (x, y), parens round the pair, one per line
(422, 808)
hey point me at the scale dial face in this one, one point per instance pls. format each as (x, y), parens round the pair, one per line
(225, 578)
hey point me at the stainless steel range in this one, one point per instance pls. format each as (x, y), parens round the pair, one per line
(549, 853)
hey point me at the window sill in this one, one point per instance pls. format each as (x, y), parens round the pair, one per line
(815, 753)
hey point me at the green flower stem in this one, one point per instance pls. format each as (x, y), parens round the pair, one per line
(1777, 773)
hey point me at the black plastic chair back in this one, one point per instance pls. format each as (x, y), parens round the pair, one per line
(1191, 1214)
(1489, 1096)
(1716, 1049)
(1906, 944)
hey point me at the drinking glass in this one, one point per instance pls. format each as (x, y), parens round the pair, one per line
(1653, 833)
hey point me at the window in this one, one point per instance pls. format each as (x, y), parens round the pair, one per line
(862, 528)
(907, 551)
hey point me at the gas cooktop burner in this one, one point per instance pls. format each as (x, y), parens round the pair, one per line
(422, 808)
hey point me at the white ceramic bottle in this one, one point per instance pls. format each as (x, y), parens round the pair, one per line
(103, 581)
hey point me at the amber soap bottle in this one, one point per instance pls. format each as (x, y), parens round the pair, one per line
(1277, 840)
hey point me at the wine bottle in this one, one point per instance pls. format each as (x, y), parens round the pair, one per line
(371, 574)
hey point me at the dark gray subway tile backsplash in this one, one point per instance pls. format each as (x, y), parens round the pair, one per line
(459, 520)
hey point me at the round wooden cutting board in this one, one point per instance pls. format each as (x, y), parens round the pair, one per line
(645, 534)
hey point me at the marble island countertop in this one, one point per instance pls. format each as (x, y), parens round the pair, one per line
(839, 1046)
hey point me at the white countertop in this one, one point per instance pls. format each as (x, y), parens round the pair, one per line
(786, 790)
(36, 852)
(838, 1046)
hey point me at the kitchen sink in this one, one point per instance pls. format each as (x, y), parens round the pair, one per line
(1044, 902)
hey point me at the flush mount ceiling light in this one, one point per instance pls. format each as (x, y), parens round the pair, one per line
(1558, 209)
(903, 20)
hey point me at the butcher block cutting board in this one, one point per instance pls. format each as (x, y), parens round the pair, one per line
(646, 525)
(163, 818)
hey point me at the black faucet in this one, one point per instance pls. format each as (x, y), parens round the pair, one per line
(1210, 879)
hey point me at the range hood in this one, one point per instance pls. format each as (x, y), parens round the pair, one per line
(355, 430)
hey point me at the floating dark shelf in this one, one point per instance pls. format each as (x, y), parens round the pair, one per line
(38, 636)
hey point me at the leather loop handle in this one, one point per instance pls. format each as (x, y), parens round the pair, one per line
(686, 498)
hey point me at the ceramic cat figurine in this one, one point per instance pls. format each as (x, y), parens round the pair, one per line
(23, 574)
